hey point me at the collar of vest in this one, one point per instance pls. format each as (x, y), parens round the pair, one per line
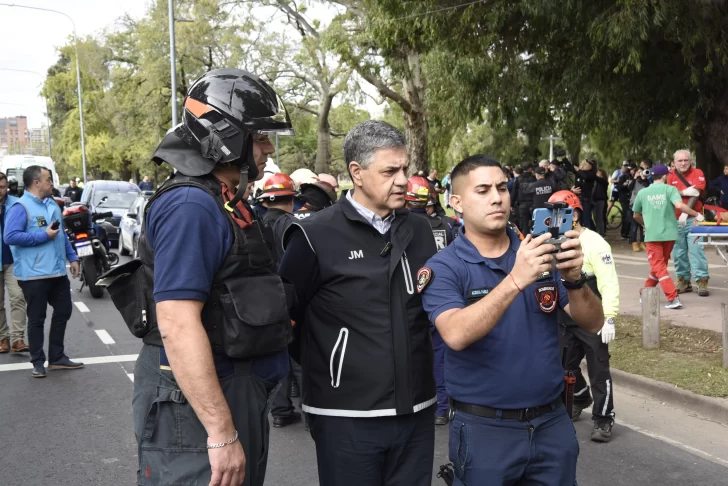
(34, 198)
(352, 214)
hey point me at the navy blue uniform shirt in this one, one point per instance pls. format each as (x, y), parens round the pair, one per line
(517, 365)
(189, 247)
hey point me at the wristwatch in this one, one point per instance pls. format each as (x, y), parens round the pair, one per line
(575, 285)
(611, 320)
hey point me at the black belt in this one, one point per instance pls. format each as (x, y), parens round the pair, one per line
(523, 414)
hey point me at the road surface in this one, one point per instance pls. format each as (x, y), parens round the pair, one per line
(75, 427)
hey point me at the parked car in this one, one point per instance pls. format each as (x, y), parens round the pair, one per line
(114, 196)
(131, 227)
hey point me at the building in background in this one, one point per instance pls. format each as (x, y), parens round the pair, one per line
(14, 134)
(38, 137)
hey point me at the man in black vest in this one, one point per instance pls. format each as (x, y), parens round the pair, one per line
(215, 343)
(367, 353)
(523, 197)
(542, 188)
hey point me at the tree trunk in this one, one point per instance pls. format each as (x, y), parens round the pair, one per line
(711, 134)
(323, 146)
(573, 147)
(126, 172)
(416, 127)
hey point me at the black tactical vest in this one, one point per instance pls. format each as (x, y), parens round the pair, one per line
(246, 313)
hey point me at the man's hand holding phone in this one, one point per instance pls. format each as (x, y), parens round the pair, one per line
(53, 230)
(571, 258)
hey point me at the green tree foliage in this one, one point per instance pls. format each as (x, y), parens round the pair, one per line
(127, 87)
(618, 65)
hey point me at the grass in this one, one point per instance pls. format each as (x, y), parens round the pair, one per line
(689, 358)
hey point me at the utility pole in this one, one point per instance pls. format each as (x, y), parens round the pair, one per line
(173, 63)
(551, 139)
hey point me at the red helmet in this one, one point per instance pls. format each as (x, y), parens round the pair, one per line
(418, 191)
(278, 185)
(568, 197)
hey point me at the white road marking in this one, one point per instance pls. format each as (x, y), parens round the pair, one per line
(82, 307)
(675, 443)
(105, 336)
(87, 361)
(131, 376)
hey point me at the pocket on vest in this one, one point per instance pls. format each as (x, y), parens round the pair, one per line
(127, 287)
(255, 319)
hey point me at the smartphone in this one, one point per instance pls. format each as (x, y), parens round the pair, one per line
(55, 225)
(548, 219)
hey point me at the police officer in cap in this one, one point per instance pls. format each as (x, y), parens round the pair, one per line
(542, 188)
(496, 311)
(216, 343)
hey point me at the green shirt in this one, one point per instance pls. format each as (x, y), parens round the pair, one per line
(656, 203)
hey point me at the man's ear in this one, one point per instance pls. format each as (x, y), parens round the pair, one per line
(456, 203)
(355, 170)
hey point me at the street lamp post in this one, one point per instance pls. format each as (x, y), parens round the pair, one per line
(78, 77)
(173, 63)
(173, 59)
(551, 140)
(48, 120)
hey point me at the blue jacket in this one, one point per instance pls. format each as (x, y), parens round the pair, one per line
(721, 184)
(9, 202)
(36, 255)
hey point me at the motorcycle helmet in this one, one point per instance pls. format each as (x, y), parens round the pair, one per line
(225, 110)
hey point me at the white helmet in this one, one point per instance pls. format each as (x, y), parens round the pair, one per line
(304, 176)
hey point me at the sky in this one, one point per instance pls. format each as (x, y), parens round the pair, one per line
(29, 39)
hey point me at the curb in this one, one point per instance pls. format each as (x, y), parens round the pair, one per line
(710, 407)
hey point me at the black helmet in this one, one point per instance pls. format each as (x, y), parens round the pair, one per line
(317, 195)
(222, 111)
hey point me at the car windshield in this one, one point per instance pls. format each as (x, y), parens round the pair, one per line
(114, 199)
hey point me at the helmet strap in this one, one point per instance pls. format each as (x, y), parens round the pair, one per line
(248, 170)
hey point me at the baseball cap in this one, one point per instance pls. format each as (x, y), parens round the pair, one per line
(539, 170)
(625, 163)
(660, 170)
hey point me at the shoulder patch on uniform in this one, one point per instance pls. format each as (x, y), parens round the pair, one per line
(424, 277)
(606, 258)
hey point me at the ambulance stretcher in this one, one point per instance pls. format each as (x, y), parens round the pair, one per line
(712, 234)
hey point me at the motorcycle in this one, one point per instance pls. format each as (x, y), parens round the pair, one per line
(90, 243)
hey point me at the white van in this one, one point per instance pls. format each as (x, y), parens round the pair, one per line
(14, 165)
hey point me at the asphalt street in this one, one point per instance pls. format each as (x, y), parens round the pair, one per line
(75, 427)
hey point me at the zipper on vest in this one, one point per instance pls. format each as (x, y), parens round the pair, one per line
(343, 339)
(409, 284)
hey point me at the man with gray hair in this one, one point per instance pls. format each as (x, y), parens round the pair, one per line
(367, 361)
(688, 254)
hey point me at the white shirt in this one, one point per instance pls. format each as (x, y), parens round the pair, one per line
(381, 225)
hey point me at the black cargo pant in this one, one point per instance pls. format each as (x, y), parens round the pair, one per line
(580, 343)
(525, 212)
(282, 405)
(375, 451)
(171, 439)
